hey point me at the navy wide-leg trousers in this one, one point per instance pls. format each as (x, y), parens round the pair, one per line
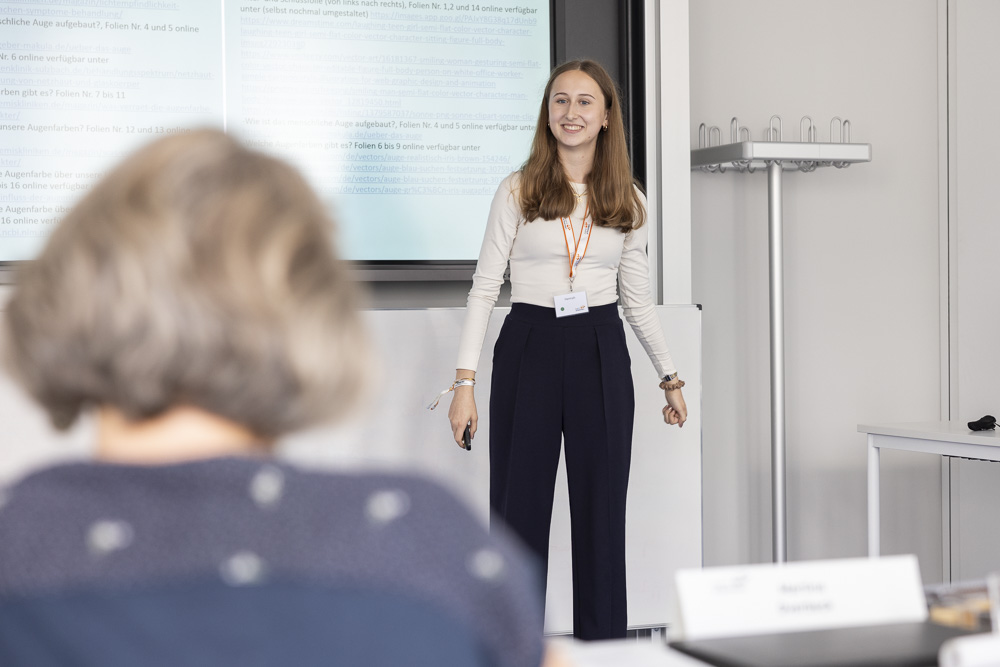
(568, 379)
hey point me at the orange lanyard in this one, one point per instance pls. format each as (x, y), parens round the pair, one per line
(580, 244)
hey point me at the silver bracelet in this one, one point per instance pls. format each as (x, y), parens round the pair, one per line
(461, 382)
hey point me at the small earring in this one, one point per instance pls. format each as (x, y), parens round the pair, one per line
(605, 127)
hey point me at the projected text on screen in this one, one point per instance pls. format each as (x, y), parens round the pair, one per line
(403, 115)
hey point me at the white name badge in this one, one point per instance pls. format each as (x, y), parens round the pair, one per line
(573, 303)
(805, 595)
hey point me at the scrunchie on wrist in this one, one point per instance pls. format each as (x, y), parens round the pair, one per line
(673, 384)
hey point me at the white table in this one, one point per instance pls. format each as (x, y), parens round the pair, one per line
(943, 438)
(621, 653)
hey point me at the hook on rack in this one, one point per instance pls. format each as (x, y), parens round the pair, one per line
(844, 127)
(774, 134)
(702, 135)
(840, 127)
(714, 131)
(808, 132)
(736, 133)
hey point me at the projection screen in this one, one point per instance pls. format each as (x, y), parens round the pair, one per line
(403, 115)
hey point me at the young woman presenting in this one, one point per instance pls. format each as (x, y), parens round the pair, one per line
(571, 224)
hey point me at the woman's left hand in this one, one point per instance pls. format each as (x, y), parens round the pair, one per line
(675, 411)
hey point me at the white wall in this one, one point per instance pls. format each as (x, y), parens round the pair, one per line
(862, 302)
(668, 119)
(975, 275)
(976, 207)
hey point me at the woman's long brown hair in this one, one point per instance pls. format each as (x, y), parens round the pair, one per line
(545, 190)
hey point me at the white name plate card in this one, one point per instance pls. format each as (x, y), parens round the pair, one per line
(972, 651)
(805, 595)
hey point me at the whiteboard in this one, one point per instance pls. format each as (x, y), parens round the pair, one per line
(417, 350)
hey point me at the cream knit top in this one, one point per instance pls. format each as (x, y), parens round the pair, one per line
(539, 270)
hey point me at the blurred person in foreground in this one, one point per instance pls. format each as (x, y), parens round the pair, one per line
(193, 300)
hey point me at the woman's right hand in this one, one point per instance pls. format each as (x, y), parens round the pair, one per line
(675, 411)
(462, 413)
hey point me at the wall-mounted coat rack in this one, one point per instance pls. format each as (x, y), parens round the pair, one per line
(776, 155)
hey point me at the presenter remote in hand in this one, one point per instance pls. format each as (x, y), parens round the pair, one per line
(571, 223)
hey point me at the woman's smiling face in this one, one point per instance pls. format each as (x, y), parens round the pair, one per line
(577, 111)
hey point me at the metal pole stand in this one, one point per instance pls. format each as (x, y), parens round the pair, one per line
(748, 156)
